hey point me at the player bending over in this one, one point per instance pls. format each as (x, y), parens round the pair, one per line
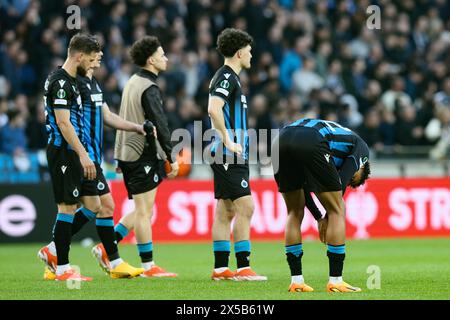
(322, 157)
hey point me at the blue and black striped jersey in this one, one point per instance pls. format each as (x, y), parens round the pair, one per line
(92, 100)
(61, 92)
(343, 142)
(225, 84)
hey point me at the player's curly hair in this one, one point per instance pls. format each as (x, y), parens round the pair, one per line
(364, 176)
(231, 40)
(144, 48)
(85, 43)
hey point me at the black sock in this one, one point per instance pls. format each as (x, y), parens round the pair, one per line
(221, 259)
(295, 263)
(121, 232)
(243, 259)
(118, 237)
(82, 216)
(145, 251)
(62, 236)
(336, 262)
(105, 230)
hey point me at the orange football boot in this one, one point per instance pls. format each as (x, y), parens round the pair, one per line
(300, 287)
(224, 275)
(248, 274)
(158, 272)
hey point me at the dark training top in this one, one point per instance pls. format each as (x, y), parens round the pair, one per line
(154, 111)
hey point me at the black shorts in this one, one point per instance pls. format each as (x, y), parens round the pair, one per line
(66, 173)
(98, 186)
(231, 181)
(142, 175)
(305, 161)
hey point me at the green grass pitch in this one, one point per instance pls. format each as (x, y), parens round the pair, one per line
(410, 269)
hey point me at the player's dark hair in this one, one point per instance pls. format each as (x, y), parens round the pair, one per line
(84, 43)
(231, 40)
(365, 174)
(144, 48)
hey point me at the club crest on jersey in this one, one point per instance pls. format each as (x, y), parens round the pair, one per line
(100, 186)
(244, 184)
(76, 193)
(155, 178)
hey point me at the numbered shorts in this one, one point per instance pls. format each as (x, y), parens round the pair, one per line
(98, 186)
(66, 174)
(304, 161)
(231, 181)
(142, 175)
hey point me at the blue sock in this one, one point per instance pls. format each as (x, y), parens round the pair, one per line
(242, 250)
(294, 255)
(146, 251)
(336, 256)
(221, 250)
(62, 235)
(121, 232)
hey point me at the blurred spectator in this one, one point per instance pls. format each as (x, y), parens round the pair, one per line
(407, 132)
(370, 131)
(395, 93)
(442, 98)
(438, 131)
(306, 78)
(13, 140)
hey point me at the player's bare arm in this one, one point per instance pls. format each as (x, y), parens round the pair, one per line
(215, 110)
(114, 121)
(69, 134)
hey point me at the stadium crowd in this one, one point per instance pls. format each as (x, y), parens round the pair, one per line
(311, 58)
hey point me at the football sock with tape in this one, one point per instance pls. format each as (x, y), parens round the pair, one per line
(145, 252)
(82, 216)
(121, 232)
(294, 254)
(242, 251)
(221, 250)
(105, 230)
(336, 256)
(62, 236)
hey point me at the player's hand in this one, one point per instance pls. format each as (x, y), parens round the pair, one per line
(140, 129)
(172, 174)
(323, 224)
(234, 147)
(88, 167)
